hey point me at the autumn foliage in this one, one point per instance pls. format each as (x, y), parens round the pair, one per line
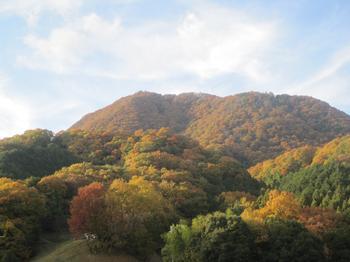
(251, 126)
(129, 216)
(85, 209)
(21, 209)
(156, 189)
(282, 205)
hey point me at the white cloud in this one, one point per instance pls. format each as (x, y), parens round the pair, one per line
(14, 115)
(59, 53)
(32, 9)
(205, 42)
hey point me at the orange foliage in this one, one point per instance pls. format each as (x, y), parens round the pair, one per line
(319, 220)
(283, 205)
(338, 150)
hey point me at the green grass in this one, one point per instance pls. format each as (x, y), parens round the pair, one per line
(59, 247)
(76, 251)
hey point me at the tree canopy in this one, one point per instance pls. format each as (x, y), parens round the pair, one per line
(21, 209)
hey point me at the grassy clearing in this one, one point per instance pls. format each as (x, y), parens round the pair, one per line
(76, 251)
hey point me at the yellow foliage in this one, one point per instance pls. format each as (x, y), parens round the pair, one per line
(280, 204)
(289, 161)
(338, 149)
(137, 195)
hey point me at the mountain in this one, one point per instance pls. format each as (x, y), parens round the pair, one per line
(250, 126)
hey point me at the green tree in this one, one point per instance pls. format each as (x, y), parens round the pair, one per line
(290, 241)
(214, 237)
(338, 243)
(36, 153)
(56, 192)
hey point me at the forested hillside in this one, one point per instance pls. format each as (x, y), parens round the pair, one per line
(36, 153)
(318, 176)
(250, 127)
(156, 175)
(39, 153)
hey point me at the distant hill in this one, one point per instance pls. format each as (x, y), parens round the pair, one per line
(251, 126)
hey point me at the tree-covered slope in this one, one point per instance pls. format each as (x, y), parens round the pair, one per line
(337, 150)
(318, 176)
(39, 153)
(251, 127)
(290, 161)
(144, 110)
(36, 153)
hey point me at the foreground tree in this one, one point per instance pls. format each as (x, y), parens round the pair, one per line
(129, 217)
(85, 209)
(55, 190)
(215, 237)
(21, 209)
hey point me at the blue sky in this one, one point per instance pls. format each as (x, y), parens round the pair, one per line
(62, 59)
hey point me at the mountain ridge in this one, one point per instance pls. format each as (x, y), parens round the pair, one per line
(246, 125)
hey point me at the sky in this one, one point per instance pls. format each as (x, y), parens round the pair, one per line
(62, 59)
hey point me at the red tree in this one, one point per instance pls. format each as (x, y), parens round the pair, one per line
(85, 209)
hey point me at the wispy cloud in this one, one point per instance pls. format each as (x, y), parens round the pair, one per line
(340, 59)
(205, 42)
(328, 83)
(30, 10)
